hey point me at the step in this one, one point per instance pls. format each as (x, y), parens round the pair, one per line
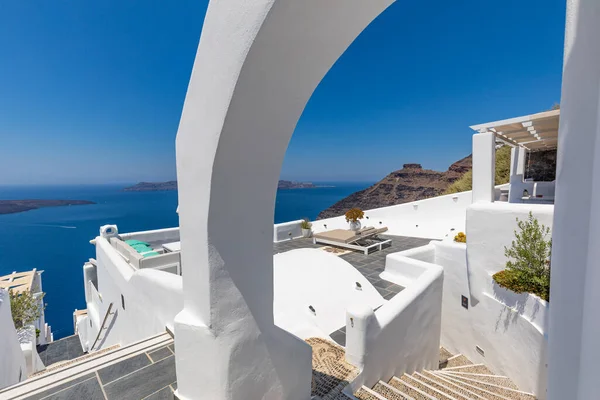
(494, 379)
(430, 390)
(475, 389)
(455, 392)
(86, 365)
(473, 368)
(62, 364)
(441, 381)
(364, 393)
(444, 354)
(410, 390)
(389, 392)
(458, 361)
(500, 390)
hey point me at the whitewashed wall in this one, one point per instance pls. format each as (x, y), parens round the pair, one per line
(432, 218)
(312, 277)
(490, 227)
(508, 327)
(403, 335)
(435, 218)
(12, 362)
(152, 299)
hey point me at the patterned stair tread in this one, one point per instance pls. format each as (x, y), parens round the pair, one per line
(493, 379)
(331, 372)
(367, 394)
(437, 381)
(455, 394)
(486, 394)
(410, 390)
(497, 389)
(475, 369)
(389, 392)
(430, 390)
(458, 361)
(444, 354)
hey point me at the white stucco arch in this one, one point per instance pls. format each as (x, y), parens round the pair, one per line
(258, 63)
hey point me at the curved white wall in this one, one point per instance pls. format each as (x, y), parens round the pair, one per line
(403, 335)
(257, 65)
(312, 277)
(575, 321)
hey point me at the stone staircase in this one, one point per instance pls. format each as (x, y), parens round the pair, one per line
(144, 369)
(458, 379)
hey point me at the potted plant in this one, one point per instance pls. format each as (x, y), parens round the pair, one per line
(306, 228)
(460, 238)
(352, 216)
(528, 266)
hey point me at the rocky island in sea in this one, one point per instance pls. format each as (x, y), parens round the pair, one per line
(172, 185)
(16, 206)
(152, 186)
(294, 185)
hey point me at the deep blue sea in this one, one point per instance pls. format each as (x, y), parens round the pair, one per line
(56, 239)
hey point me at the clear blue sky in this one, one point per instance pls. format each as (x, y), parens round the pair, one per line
(92, 91)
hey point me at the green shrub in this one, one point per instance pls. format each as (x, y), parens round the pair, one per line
(465, 182)
(306, 224)
(528, 267)
(24, 307)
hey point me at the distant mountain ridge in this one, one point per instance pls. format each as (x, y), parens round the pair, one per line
(152, 186)
(16, 206)
(172, 185)
(294, 185)
(410, 183)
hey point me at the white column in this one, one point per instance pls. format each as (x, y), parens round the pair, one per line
(484, 167)
(517, 161)
(574, 294)
(517, 173)
(258, 63)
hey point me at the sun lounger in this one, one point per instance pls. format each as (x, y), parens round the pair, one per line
(362, 240)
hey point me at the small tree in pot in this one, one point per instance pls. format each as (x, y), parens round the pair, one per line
(528, 267)
(25, 308)
(352, 216)
(306, 226)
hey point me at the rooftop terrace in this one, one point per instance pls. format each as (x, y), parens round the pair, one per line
(370, 266)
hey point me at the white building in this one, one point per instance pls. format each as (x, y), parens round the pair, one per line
(21, 364)
(250, 325)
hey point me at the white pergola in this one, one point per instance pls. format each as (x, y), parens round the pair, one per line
(528, 133)
(535, 132)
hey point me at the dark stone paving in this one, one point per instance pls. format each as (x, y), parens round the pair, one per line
(370, 265)
(135, 378)
(60, 350)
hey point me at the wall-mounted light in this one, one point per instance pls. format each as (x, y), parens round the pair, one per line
(325, 225)
(358, 286)
(480, 350)
(312, 310)
(415, 206)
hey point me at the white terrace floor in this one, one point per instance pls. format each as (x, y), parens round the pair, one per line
(370, 266)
